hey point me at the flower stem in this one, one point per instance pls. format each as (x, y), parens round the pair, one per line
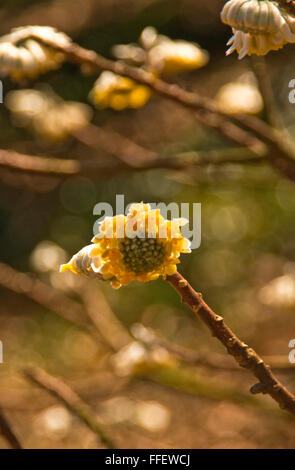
(243, 354)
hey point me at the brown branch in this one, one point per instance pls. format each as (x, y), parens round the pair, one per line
(232, 132)
(7, 431)
(70, 167)
(113, 143)
(194, 358)
(243, 354)
(101, 316)
(172, 91)
(42, 293)
(72, 401)
(39, 165)
(169, 375)
(278, 146)
(49, 297)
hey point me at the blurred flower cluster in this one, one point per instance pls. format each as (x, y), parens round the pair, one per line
(24, 56)
(240, 96)
(155, 53)
(259, 26)
(118, 93)
(46, 114)
(140, 246)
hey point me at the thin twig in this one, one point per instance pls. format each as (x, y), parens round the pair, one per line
(42, 293)
(101, 316)
(243, 354)
(113, 143)
(8, 433)
(194, 358)
(69, 167)
(72, 400)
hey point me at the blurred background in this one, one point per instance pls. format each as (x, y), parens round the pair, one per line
(151, 372)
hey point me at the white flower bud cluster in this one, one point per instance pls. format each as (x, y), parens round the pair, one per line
(24, 55)
(85, 263)
(259, 26)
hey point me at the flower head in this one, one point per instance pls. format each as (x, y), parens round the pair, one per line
(117, 92)
(140, 246)
(259, 26)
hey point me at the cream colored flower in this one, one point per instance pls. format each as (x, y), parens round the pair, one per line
(140, 246)
(168, 57)
(161, 55)
(23, 55)
(46, 114)
(240, 96)
(259, 26)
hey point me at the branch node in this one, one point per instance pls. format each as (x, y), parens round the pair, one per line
(258, 388)
(182, 283)
(232, 341)
(218, 319)
(196, 307)
(277, 387)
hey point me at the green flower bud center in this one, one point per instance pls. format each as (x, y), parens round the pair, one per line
(142, 255)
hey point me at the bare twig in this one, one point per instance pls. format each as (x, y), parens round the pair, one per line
(113, 143)
(72, 400)
(39, 165)
(243, 354)
(102, 317)
(42, 293)
(194, 358)
(188, 380)
(69, 167)
(232, 132)
(7, 431)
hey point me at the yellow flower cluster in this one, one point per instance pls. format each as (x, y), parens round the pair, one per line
(46, 114)
(259, 26)
(22, 54)
(140, 246)
(159, 55)
(117, 92)
(162, 55)
(168, 57)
